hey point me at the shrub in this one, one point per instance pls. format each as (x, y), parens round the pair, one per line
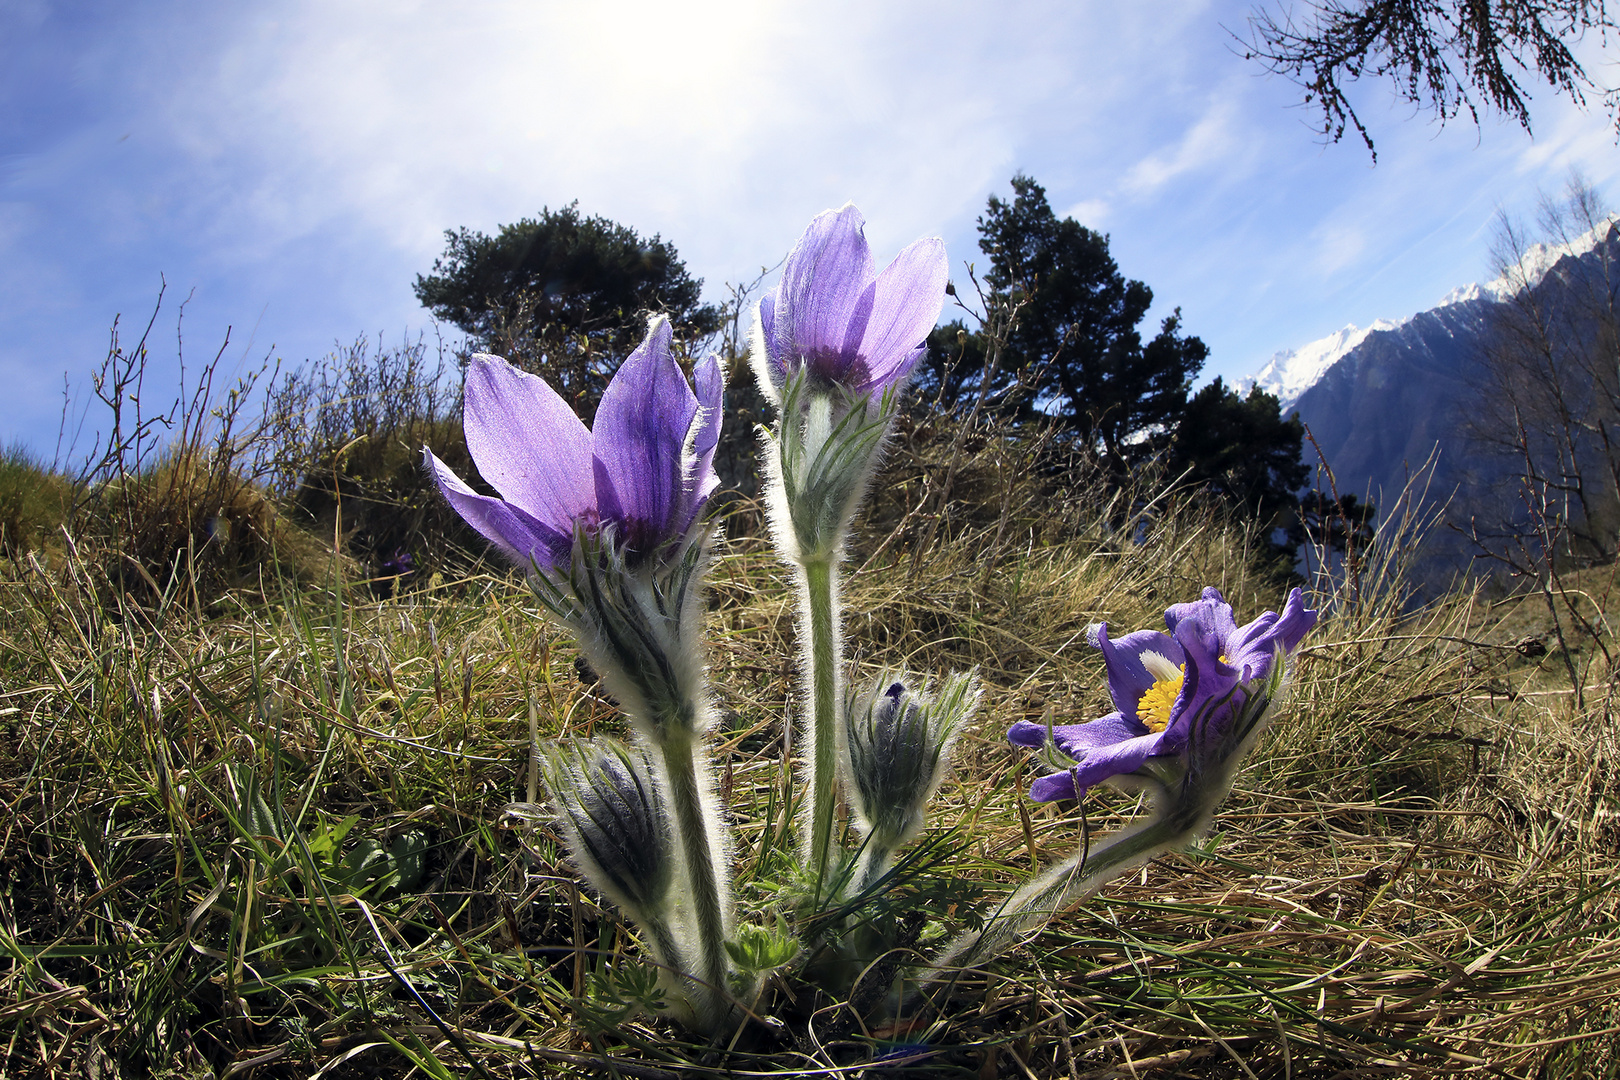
(34, 502)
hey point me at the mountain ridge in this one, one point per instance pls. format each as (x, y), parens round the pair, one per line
(1407, 398)
(1289, 373)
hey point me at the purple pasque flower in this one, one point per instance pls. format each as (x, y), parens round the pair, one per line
(836, 318)
(642, 476)
(1186, 688)
(398, 564)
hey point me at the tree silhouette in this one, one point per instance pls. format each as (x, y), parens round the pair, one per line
(1241, 450)
(563, 295)
(1075, 352)
(1446, 57)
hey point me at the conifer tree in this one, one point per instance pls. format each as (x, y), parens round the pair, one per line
(1075, 356)
(1242, 450)
(1076, 352)
(563, 295)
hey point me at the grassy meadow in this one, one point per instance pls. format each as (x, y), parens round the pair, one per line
(270, 811)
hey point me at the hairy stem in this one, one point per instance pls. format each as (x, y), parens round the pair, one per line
(822, 661)
(1059, 885)
(687, 795)
(662, 939)
(873, 864)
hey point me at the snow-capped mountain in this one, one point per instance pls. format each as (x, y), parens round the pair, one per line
(1383, 402)
(1290, 372)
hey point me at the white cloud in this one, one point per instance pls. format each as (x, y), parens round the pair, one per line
(1570, 139)
(1211, 141)
(1092, 213)
(726, 124)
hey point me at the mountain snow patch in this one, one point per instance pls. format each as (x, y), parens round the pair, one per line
(1291, 372)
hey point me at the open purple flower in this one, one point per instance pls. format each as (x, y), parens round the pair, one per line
(643, 475)
(835, 317)
(1179, 693)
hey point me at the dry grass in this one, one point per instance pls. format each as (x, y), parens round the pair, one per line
(276, 843)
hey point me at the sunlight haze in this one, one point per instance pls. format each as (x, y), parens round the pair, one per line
(292, 167)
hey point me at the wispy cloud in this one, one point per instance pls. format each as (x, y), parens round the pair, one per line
(296, 164)
(1092, 213)
(1211, 141)
(1338, 245)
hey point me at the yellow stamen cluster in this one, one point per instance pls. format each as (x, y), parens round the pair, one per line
(1153, 709)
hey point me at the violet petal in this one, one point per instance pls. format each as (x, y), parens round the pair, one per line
(522, 537)
(638, 441)
(775, 351)
(527, 442)
(710, 383)
(1027, 733)
(909, 295)
(1252, 646)
(822, 282)
(1053, 787)
(1207, 681)
(1211, 609)
(1116, 759)
(1081, 740)
(1128, 677)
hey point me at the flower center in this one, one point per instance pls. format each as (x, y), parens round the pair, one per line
(1156, 702)
(836, 367)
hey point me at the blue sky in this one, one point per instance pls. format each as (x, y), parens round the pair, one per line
(291, 167)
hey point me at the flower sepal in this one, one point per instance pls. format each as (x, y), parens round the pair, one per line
(822, 452)
(639, 625)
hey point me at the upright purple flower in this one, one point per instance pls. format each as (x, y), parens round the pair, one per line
(832, 343)
(610, 521)
(839, 320)
(1194, 693)
(641, 477)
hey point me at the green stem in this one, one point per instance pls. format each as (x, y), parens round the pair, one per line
(874, 863)
(821, 677)
(711, 999)
(1058, 886)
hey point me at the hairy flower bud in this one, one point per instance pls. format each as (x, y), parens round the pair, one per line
(899, 746)
(611, 808)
